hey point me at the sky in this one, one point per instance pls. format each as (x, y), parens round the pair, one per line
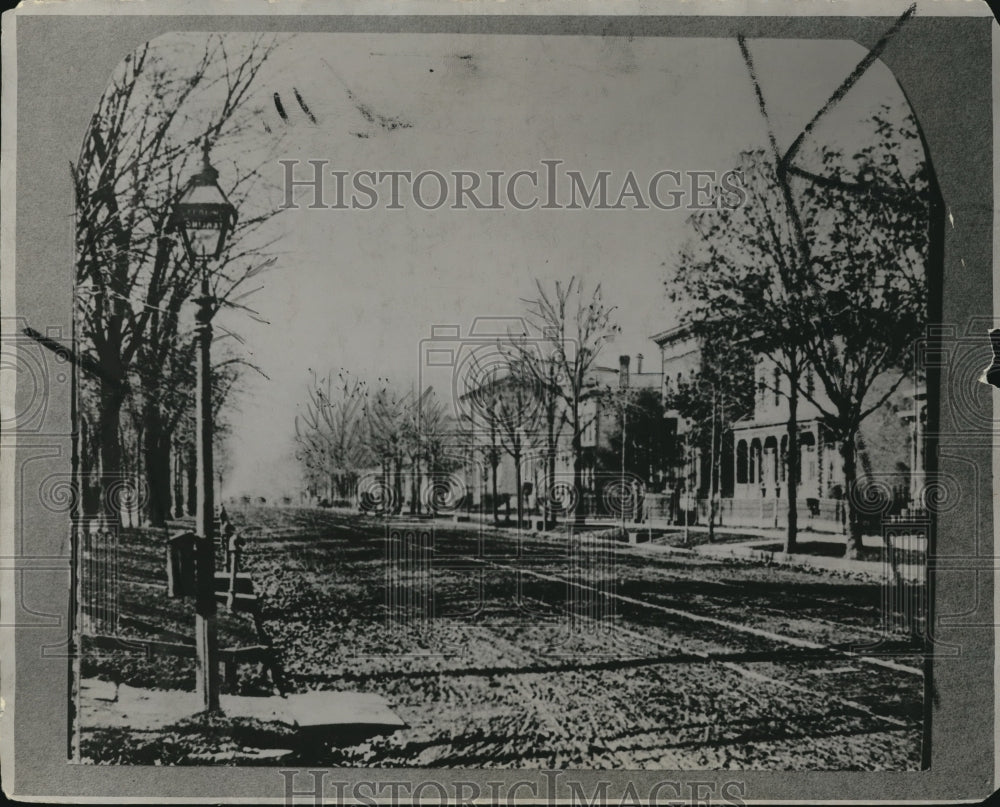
(359, 290)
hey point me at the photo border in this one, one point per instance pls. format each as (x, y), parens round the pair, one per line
(61, 62)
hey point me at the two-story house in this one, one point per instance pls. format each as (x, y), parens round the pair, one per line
(600, 421)
(753, 475)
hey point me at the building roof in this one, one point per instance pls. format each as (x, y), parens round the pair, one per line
(675, 334)
(767, 423)
(644, 380)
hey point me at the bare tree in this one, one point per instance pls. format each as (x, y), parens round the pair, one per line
(434, 427)
(573, 329)
(424, 425)
(482, 424)
(718, 394)
(385, 416)
(131, 280)
(330, 435)
(518, 418)
(510, 407)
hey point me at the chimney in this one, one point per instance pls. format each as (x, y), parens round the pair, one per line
(638, 363)
(623, 362)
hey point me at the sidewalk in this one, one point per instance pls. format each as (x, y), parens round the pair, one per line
(766, 545)
(764, 551)
(778, 535)
(110, 705)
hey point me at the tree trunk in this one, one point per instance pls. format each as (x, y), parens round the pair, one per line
(517, 482)
(792, 481)
(550, 473)
(417, 486)
(712, 467)
(413, 487)
(109, 441)
(156, 462)
(390, 500)
(548, 513)
(578, 515)
(398, 486)
(493, 481)
(848, 454)
(89, 465)
(158, 479)
(469, 471)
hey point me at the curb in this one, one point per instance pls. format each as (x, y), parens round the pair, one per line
(873, 570)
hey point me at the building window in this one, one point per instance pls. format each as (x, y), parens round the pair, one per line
(742, 463)
(588, 435)
(810, 382)
(770, 464)
(777, 386)
(807, 443)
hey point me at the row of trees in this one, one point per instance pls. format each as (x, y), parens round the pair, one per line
(347, 426)
(822, 269)
(522, 394)
(133, 280)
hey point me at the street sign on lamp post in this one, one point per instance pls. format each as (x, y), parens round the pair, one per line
(204, 217)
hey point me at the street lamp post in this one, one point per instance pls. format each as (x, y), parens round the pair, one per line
(204, 217)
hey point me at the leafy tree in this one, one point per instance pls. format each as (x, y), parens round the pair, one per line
(720, 393)
(637, 438)
(742, 280)
(868, 219)
(826, 272)
(645, 433)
